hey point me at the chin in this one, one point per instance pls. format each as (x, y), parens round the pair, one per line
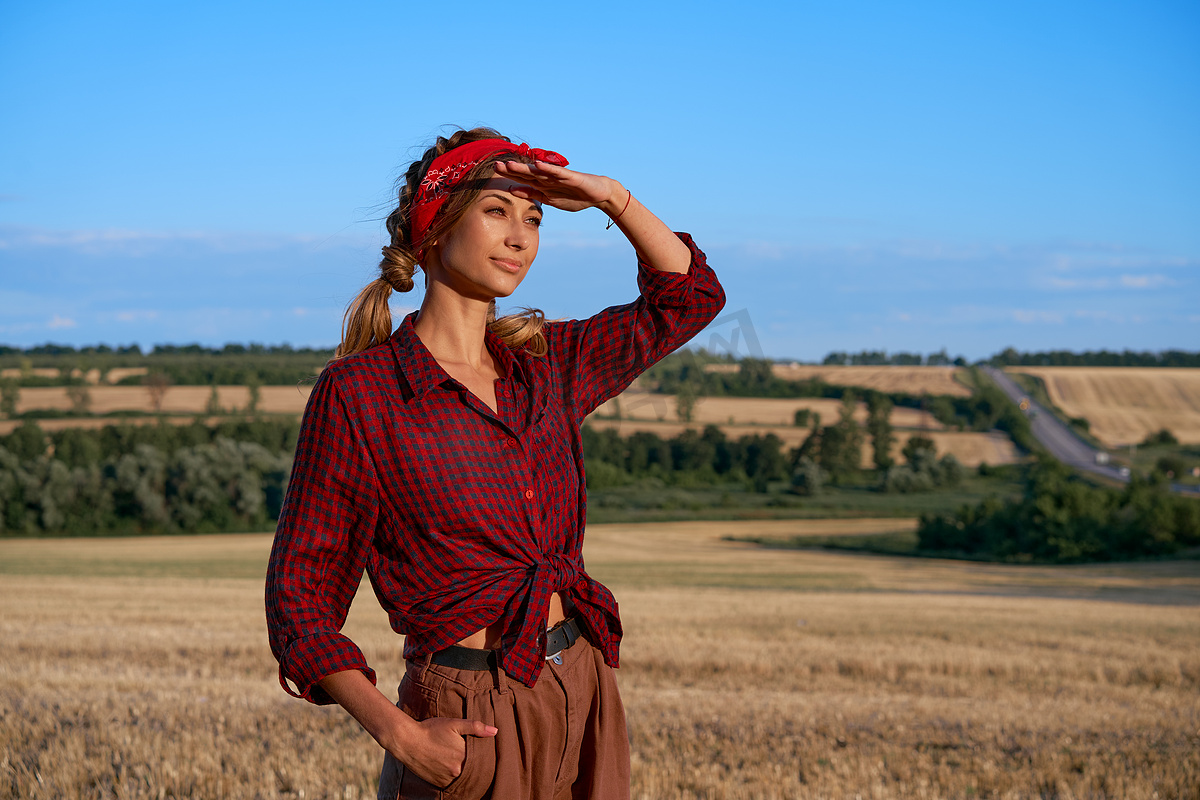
(504, 288)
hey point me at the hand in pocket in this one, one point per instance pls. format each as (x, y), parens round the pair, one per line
(439, 755)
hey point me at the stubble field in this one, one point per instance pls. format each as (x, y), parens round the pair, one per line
(883, 378)
(1124, 404)
(175, 400)
(640, 411)
(138, 668)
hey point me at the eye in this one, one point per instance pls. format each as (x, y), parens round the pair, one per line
(535, 221)
(495, 210)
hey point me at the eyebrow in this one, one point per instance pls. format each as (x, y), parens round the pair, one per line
(509, 202)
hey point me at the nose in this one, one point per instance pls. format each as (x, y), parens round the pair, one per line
(519, 235)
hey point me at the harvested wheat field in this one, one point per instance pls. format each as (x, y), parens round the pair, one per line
(641, 405)
(91, 423)
(175, 400)
(1124, 404)
(92, 376)
(138, 668)
(913, 380)
(971, 448)
(291, 399)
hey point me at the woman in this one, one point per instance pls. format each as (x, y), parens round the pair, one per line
(445, 458)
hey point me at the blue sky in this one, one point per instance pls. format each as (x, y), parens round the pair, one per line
(862, 174)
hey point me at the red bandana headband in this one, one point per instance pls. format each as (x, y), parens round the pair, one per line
(449, 168)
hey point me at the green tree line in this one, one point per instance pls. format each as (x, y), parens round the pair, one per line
(79, 447)
(189, 365)
(144, 479)
(902, 359)
(691, 457)
(1062, 518)
(1095, 358)
(220, 486)
(987, 408)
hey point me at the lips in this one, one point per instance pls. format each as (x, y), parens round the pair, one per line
(508, 264)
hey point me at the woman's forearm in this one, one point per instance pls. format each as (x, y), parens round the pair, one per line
(386, 723)
(434, 748)
(654, 242)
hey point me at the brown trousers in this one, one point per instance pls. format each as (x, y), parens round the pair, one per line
(564, 739)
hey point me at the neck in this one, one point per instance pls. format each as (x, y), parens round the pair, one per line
(452, 326)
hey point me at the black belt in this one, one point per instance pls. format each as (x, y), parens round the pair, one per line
(558, 639)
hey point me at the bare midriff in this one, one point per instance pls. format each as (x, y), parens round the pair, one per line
(489, 637)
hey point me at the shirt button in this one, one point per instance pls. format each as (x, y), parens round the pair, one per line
(529, 494)
(512, 442)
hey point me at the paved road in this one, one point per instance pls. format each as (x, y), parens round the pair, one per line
(1059, 439)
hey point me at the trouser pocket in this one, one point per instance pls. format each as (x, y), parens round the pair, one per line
(431, 695)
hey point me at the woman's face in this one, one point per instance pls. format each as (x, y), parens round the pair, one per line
(489, 252)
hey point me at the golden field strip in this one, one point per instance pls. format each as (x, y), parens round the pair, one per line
(913, 380)
(741, 416)
(640, 411)
(883, 378)
(176, 399)
(970, 448)
(182, 400)
(1124, 404)
(92, 376)
(138, 668)
(185, 400)
(780, 412)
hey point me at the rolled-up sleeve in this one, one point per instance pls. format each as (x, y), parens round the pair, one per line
(600, 356)
(322, 544)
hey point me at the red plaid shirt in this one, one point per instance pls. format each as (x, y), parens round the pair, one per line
(462, 517)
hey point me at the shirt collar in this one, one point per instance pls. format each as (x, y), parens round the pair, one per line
(421, 369)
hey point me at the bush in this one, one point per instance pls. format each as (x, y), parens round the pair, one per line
(920, 453)
(1172, 466)
(1161, 437)
(906, 480)
(808, 478)
(950, 471)
(923, 471)
(603, 475)
(26, 442)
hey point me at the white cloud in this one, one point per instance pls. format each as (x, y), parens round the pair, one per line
(136, 316)
(118, 241)
(1030, 317)
(769, 251)
(1145, 281)
(1078, 283)
(56, 322)
(1098, 316)
(21, 327)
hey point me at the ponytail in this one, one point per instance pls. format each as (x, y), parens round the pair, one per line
(368, 318)
(523, 330)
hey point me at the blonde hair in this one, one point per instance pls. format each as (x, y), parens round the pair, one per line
(368, 318)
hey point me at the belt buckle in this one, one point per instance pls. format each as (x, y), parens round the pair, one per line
(556, 656)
